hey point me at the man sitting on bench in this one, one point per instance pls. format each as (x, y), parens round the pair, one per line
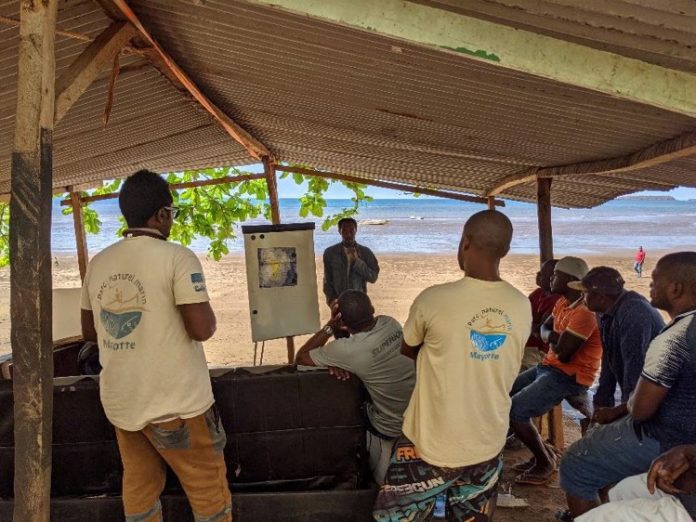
(568, 369)
(372, 352)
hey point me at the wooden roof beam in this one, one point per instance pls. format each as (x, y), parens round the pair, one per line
(652, 156)
(85, 69)
(510, 48)
(119, 9)
(391, 185)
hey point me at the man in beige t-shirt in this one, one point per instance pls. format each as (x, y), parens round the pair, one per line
(145, 303)
(468, 339)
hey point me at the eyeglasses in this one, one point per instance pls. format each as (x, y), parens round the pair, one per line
(174, 211)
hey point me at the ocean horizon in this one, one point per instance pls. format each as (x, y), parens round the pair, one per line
(433, 225)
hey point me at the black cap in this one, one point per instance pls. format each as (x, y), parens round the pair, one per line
(601, 279)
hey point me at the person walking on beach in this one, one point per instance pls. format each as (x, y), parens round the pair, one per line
(348, 265)
(144, 301)
(639, 260)
(468, 338)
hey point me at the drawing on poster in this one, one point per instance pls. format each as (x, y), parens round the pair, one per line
(277, 267)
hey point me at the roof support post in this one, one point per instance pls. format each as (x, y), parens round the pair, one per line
(269, 169)
(270, 173)
(544, 219)
(555, 416)
(30, 261)
(80, 235)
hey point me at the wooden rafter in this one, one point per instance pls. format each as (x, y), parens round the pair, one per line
(518, 178)
(390, 185)
(173, 186)
(85, 69)
(119, 9)
(652, 156)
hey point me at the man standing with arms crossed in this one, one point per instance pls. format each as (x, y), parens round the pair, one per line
(145, 303)
(468, 338)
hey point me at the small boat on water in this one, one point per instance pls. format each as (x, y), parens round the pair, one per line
(374, 222)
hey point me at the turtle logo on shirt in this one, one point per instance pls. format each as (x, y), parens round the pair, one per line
(121, 298)
(488, 332)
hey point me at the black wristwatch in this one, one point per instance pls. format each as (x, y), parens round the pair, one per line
(327, 330)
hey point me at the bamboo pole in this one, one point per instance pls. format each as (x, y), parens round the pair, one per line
(80, 235)
(491, 203)
(30, 261)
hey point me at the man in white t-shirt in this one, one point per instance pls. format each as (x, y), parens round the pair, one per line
(372, 352)
(145, 303)
(468, 339)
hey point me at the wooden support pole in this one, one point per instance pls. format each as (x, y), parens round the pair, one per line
(544, 219)
(80, 235)
(491, 203)
(555, 416)
(269, 169)
(30, 261)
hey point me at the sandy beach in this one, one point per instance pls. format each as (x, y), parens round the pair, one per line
(401, 278)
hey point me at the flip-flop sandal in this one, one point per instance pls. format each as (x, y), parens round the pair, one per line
(524, 465)
(532, 479)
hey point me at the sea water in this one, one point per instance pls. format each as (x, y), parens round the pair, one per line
(434, 225)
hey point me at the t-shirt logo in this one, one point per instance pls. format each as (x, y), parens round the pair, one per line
(198, 282)
(122, 300)
(488, 331)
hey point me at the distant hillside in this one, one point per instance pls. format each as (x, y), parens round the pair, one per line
(647, 198)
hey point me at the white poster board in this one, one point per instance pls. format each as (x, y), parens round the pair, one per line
(66, 313)
(281, 280)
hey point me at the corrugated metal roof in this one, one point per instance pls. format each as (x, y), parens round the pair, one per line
(659, 32)
(338, 99)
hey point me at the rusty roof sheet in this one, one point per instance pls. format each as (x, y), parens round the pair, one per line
(338, 99)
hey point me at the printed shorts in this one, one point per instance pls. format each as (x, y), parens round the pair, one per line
(412, 487)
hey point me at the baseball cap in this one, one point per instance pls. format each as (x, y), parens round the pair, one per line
(601, 279)
(573, 266)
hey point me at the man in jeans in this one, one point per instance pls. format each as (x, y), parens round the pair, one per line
(568, 369)
(372, 352)
(467, 337)
(662, 408)
(627, 324)
(144, 301)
